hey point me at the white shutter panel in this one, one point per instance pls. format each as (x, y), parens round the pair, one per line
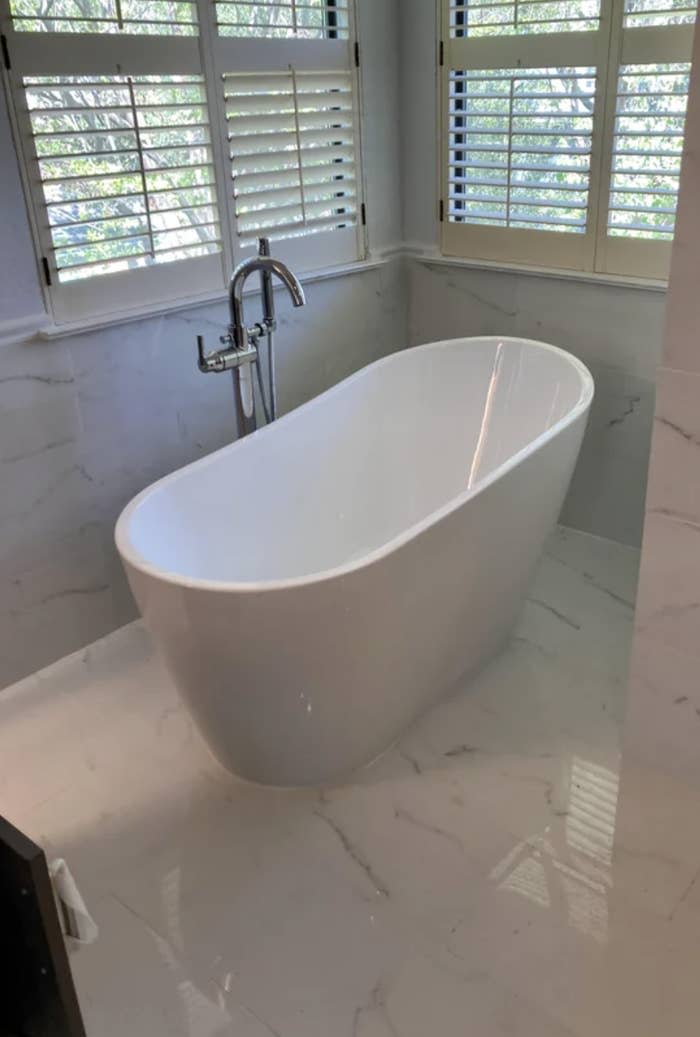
(290, 106)
(520, 147)
(283, 19)
(113, 123)
(581, 171)
(519, 101)
(126, 171)
(292, 141)
(647, 148)
(645, 134)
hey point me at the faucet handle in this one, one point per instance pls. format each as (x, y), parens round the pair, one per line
(201, 355)
(209, 363)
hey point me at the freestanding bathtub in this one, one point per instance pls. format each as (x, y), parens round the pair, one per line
(316, 586)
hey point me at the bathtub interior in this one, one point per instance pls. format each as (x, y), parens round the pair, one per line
(346, 474)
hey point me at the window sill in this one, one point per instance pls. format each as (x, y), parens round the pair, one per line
(50, 331)
(434, 258)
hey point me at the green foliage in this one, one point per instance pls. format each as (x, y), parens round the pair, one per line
(126, 170)
(521, 144)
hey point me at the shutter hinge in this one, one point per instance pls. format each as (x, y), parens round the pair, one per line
(442, 211)
(442, 53)
(5, 52)
(357, 54)
(47, 270)
(363, 214)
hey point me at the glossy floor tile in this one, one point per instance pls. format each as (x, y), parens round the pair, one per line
(485, 877)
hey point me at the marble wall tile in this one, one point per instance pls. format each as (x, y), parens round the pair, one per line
(674, 473)
(608, 489)
(668, 607)
(663, 722)
(448, 302)
(601, 324)
(62, 602)
(617, 332)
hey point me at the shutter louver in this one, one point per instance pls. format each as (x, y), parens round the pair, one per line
(646, 132)
(283, 19)
(640, 13)
(481, 18)
(292, 138)
(126, 171)
(647, 149)
(520, 147)
(139, 17)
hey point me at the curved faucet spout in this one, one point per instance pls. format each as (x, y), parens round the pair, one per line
(264, 264)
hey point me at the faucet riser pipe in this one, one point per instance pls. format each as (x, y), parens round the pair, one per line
(246, 424)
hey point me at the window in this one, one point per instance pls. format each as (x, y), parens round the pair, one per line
(152, 165)
(563, 127)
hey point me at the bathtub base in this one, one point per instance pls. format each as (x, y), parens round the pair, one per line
(318, 780)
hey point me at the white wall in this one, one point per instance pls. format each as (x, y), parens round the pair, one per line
(87, 421)
(616, 331)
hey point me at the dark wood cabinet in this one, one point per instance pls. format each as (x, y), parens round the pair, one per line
(37, 996)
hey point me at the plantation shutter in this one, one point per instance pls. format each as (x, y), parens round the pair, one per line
(644, 136)
(289, 102)
(519, 100)
(114, 128)
(562, 131)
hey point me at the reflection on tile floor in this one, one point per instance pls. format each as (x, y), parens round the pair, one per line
(474, 880)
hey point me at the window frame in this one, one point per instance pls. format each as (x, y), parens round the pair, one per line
(606, 50)
(205, 53)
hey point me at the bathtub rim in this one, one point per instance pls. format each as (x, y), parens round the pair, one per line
(131, 556)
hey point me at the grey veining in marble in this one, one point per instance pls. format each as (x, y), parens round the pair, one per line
(464, 883)
(88, 421)
(663, 728)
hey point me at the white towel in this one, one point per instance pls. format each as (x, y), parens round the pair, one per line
(79, 927)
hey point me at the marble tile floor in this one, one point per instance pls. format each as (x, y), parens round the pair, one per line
(473, 881)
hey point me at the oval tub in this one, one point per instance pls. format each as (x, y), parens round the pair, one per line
(316, 586)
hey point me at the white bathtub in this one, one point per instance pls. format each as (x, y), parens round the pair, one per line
(315, 587)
